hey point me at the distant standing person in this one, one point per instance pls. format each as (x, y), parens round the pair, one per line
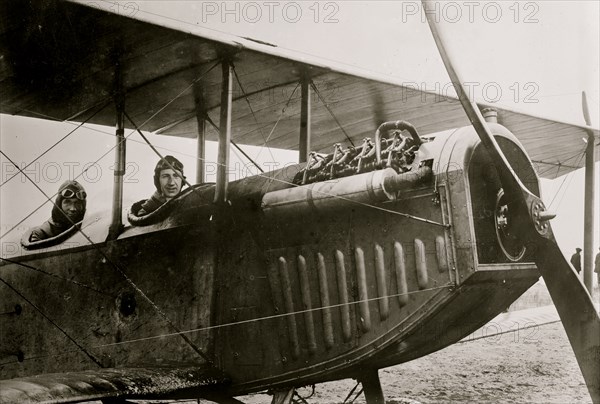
(597, 266)
(576, 260)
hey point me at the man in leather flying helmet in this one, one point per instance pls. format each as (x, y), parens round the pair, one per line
(68, 210)
(168, 180)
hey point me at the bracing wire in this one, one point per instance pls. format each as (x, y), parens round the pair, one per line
(271, 178)
(54, 145)
(570, 176)
(121, 272)
(367, 205)
(314, 87)
(252, 111)
(212, 123)
(137, 129)
(144, 296)
(112, 148)
(269, 149)
(254, 320)
(281, 114)
(83, 285)
(79, 346)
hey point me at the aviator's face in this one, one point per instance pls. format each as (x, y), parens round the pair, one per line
(170, 183)
(72, 207)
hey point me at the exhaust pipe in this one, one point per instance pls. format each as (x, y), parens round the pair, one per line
(342, 193)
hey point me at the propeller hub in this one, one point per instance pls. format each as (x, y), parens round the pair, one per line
(540, 217)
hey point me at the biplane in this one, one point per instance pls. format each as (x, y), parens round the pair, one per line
(386, 242)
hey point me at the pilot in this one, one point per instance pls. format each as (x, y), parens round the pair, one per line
(68, 209)
(168, 180)
(576, 260)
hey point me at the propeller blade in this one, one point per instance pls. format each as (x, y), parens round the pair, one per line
(586, 110)
(571, 298)
(576, 310)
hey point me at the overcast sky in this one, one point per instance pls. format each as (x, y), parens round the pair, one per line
(540, 55)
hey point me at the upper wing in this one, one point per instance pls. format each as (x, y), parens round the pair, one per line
(59, 62)
(111, 383)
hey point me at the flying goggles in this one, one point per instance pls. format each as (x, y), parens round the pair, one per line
(69, 193)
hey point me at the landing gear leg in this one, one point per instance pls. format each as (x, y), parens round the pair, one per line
(372, 387)
(283, 396)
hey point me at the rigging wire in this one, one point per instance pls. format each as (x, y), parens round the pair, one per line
(212, 123)
(113, 147)
(269, 150)
(114, 265)
(132, 284)
(275, 316)
(185, 181)
(559, 163)
(558, 166)
(120, 271)
(406, 215)
(243, 322)
(265, 176)
(253, 113)
(55, 144)
(368, 205)
(279, 118)
(57, 277)
(541, 173)
(314, 87)
(570, 175)
(128, 280)
(246, 155)
(300, 399)
(79, 346)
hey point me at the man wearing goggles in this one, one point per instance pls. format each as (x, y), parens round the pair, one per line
(69, 194)
(68, 210)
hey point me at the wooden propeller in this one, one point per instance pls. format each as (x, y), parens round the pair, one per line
(571, 298)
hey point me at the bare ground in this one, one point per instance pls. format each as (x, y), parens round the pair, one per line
(536, 365)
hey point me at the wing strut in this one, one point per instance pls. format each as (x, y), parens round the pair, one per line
(305, 120)
(572, 300)
(224, 132)
(590, 203)
(116, 225)
(201, 138)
